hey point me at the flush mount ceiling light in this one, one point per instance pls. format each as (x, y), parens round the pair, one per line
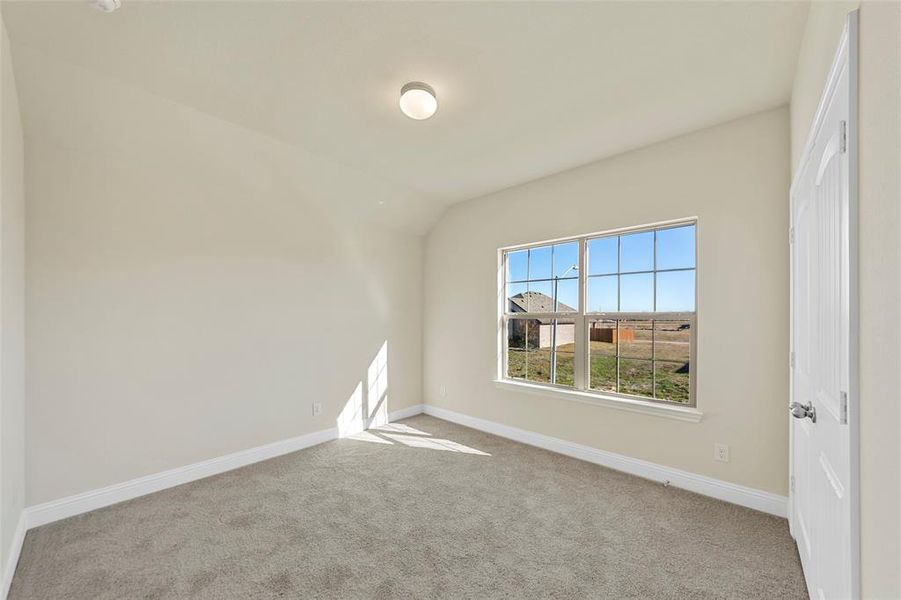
(106, 5)
(418, 100)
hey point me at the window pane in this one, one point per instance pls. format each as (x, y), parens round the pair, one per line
(564, 336)
(566, 260)
(636, 377)
(602, 338)
(636, 339)
(602, 255)
(567, 295)
(636, 252)
(529, 343)
(637, 274)
(676, 248)
(636, 293)
(517, 265)
(676, 291)
(540, 263)
(673, 381)
(540, 296)
(517, 300)
(672, 340)
(602, 294)
(516, 348)
(538, 351)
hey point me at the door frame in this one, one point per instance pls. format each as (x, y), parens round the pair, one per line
(847, 52)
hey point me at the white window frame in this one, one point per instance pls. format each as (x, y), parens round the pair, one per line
(581, 390)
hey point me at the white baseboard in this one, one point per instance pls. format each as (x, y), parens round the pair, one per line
(9, 569)
(48, 512)
(767, 502)
(41, 514)
(410, 411)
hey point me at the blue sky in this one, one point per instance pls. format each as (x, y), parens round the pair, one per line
(612, 262)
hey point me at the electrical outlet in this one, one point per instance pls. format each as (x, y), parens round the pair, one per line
(442, 391)
(317, 409)
(721, 452)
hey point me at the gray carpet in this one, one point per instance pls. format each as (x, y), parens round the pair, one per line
(420, 509)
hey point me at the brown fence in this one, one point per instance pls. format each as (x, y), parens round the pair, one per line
(611, 335)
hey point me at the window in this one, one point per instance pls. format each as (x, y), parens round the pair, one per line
(611, 313)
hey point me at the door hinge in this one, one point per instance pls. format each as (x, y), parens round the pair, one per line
(791, 235)
(844, 136)
(791, 360)
(791, 484)
(843, 401)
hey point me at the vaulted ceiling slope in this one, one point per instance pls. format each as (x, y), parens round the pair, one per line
(524, 89)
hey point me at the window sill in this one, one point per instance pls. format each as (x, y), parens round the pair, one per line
(680, 413)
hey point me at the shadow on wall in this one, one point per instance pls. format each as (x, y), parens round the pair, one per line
(367, 407)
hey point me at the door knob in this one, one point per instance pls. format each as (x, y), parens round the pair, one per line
(801, 411)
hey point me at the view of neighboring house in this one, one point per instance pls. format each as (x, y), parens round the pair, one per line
(540, 331)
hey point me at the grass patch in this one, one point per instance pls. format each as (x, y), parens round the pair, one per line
(636, 376)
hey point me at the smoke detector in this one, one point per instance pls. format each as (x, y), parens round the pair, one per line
(107, 6)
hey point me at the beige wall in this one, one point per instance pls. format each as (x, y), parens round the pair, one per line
(188, 296)
(880, 298)
(735, 179)
(825, 22)
(879, 260)
(12, 306)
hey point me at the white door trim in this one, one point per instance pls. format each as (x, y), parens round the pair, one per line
(847, 53)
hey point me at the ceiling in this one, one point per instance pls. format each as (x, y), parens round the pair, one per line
(524, 89)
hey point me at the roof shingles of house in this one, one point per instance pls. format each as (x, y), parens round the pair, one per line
(536, 302)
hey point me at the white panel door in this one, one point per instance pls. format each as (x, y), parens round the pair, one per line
(823, 474)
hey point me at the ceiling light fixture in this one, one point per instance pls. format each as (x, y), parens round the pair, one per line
(106, 5)
(418, 100)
